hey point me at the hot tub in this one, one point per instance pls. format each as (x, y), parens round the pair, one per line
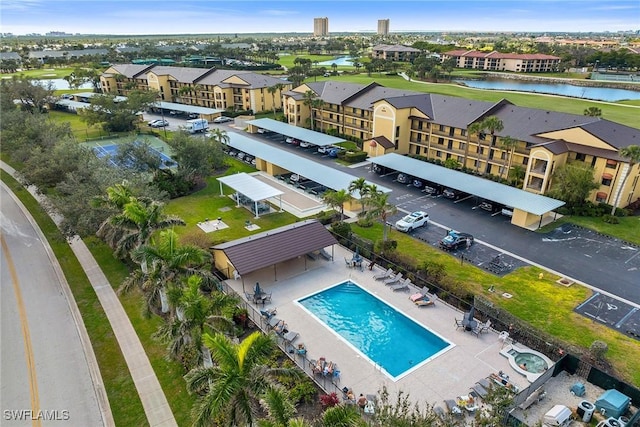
(537, 363)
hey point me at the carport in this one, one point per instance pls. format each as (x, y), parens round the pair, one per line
(203, 112)
(302, 134)
(252, 188)
(249, 254)
(528, 208)
(276, 161)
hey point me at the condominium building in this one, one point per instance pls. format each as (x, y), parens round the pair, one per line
(383, 27)
(436, 127)
(394, 52)
(496, 61)
(320, 27)
(212, 88)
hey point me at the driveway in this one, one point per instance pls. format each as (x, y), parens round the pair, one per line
(604, 263)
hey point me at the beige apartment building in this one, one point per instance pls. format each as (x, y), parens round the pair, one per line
(394, 52)
(320, 27)
(436, 127)
(496, 61)
(383, 27)
(211, 88)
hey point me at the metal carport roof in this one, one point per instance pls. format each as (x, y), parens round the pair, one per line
(489, 190)
(315, 138)
(253, 188)
(329, 177)
(187, 108)
(274, 246)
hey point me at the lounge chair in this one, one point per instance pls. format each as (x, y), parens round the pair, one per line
(280, 328)
(290, 336)
(484, 382)
(425, 302)
(328, 369)
(394, 279)
(453, 407)
(324, 254)
(370, 406)
(348, 263)
(481, 391)
(268, 314)
(485, 327)
(401, 286)
(383, 275)
(419, 295)
(318, 367)
(273, 321)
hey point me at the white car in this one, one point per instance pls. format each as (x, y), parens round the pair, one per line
(222, 119)
(412, 221)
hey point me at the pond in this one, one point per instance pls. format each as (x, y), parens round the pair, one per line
(58, 84)
(340, 61)
(595, 93)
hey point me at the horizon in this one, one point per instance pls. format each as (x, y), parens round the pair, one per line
(198, 17)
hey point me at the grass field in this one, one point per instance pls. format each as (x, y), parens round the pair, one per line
(42, 73)
(626, 112)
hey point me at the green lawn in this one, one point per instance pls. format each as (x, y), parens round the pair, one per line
(123, 398)
(543, 303)
(627, 230)
(43, 73)
(626, 112)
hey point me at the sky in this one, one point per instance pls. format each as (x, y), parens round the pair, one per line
(241, 17)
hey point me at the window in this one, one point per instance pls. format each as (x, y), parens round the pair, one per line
(581, 157)
(463, 132)
(606, 182)
(461, 145)
(441, 128)
(438, 153)
(441, 141)
(612, 164)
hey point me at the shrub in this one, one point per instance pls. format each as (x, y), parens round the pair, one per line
(342, 229)
(329, 400)
(386, 247)
(598, 349)
(610, 219)
(304, 391)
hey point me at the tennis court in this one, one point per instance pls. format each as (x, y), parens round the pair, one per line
(110, 151)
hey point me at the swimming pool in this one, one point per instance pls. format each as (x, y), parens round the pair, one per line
(111, 150)
(386, 337)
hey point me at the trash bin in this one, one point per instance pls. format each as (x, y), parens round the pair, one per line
(578, 389)
(585, 410)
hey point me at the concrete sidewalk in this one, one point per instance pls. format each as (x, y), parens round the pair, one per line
(154, 401)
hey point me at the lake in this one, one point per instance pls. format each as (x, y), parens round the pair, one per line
(340, 61)
(59, 84)
(595, 93)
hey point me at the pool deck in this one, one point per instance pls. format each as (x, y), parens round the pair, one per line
(449, 375)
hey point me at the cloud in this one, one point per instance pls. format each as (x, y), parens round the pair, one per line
(279, 12)
(19, 5)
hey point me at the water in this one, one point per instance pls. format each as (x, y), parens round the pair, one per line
(340, 61)
(59, 84)
(383, 335)
(596, 93)
(535, 363)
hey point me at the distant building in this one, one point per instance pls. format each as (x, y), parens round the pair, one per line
(320, 27)
(519, 63)
(395, 52)
(383, 27)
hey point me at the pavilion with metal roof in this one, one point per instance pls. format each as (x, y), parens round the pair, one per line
(324, 175)
(250, 187)
(271, 248)
(302, 134)
(523, 202)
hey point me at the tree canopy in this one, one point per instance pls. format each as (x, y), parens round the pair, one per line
(116, 114)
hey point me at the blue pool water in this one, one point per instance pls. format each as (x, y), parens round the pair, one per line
(380, 333)
(112, 149)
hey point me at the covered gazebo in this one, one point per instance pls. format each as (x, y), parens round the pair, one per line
(254, 189)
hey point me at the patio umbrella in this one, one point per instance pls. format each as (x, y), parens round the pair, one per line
(257, 289)
(472, 313)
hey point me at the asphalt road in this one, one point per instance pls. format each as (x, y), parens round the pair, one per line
(43, 368)
(607, 264)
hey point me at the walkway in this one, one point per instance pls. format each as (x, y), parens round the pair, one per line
(154, 401)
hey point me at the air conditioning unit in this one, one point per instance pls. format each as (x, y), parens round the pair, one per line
(585, 410)
(610, 422)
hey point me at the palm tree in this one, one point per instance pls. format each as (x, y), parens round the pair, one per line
(632, 154)
(194, 311)
(239, 378)
(278, 406)
(337, 199)
(508, 143)
(311, 100)
(164, 263)
(593, 112)
(135, 220)
(220, 136)
(360, 185)
(272, 90)
(381, 208)
(343, 416)
(474, 129)
(491, 124)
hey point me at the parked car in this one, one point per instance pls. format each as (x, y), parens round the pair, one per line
(507, 211)
(192, 116)
(305, 144)
(454, 240)
(450, 193)
(151, 122)
(432, 190)
(403, 178)
(412, 221)
(490, 206)
(240, 155)
(296, 178)
(222, 119)
(323, 149)
(380, 170)
(159, 124)
(333, 152)
(417, 183)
